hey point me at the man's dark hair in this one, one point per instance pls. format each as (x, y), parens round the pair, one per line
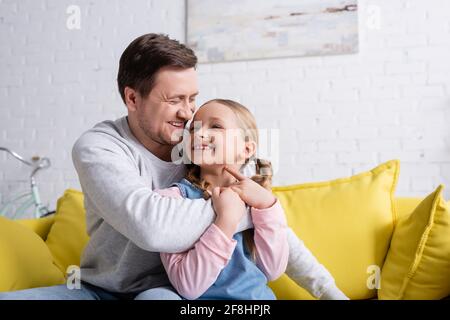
(143, 57)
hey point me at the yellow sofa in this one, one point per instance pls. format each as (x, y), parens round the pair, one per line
(41, 227)
(355, 240)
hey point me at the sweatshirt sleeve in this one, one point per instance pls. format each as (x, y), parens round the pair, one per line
(272, 249)
(308, 273)
(122, 198)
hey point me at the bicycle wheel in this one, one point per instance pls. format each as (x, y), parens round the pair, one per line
(22, 213)
(7, 210)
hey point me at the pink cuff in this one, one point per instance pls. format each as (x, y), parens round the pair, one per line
(269, 216)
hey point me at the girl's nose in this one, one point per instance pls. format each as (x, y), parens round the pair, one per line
(203, 134)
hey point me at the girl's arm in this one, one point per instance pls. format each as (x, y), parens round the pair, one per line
(302, 266)
(192, 272)
(272, 249)
(270, 225)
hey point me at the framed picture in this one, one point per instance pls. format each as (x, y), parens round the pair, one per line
(227, 30)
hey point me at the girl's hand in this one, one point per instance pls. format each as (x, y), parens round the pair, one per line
(251, 192)
(229, 209)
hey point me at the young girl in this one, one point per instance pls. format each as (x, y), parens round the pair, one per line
(222, 264)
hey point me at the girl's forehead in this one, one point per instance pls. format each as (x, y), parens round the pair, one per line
(214, 109)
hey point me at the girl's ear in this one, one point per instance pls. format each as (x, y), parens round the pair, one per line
(250, 149)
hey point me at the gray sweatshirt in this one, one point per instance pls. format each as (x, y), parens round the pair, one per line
(129, 224)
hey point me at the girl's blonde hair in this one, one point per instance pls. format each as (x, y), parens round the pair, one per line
(263, 168)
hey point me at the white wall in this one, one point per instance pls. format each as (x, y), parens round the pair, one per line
(337, 115)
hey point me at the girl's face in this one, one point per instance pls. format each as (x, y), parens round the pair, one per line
(216, 137)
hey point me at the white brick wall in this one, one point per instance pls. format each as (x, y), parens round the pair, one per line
(337, 115)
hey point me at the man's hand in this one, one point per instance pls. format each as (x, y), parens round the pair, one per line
(251, 192)
(229, 209)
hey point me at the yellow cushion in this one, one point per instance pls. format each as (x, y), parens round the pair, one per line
(67, 236)
(25, 261)
(40, 226)
(405, 206)
(418, 262)
(347, 223)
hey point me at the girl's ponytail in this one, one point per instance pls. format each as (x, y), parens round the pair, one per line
(264, 173)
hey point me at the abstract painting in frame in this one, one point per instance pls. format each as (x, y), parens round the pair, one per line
(227, 30)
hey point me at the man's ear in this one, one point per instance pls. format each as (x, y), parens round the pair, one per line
(131, 98)
(250, 149)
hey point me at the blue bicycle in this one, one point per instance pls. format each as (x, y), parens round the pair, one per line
(20, 204)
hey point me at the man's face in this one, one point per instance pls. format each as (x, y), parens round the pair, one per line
(163, 114)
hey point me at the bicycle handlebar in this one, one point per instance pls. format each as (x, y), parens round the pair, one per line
(15, 155)
(37, 162)
(44, 163)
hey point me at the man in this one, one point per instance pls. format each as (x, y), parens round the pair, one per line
(120, 162)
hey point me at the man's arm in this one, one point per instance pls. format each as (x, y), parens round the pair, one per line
(124, 200)
(307, 272)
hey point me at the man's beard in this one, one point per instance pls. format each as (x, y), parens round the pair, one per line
(158, 138)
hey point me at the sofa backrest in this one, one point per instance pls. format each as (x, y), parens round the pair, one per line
(404, 205)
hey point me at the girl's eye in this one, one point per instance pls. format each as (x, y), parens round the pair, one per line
(216, 126)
